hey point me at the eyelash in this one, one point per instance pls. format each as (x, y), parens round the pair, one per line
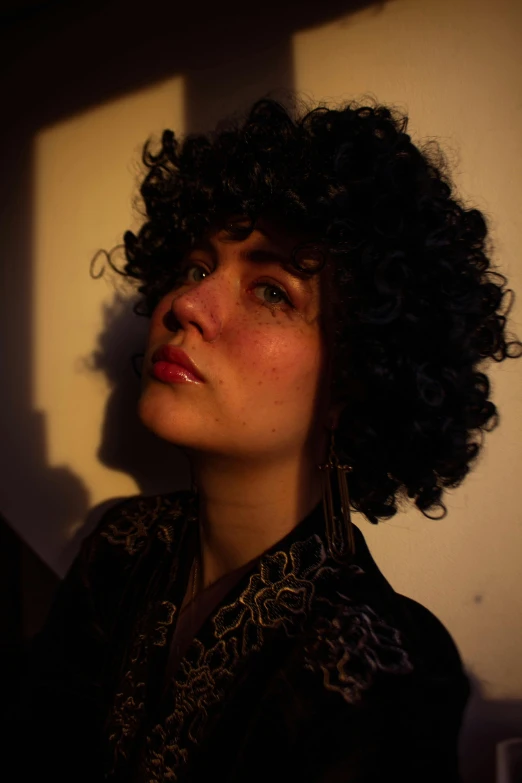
(257, 284)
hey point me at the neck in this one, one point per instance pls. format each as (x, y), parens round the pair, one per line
(244, 509)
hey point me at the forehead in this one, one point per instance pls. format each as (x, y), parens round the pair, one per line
(271, 239)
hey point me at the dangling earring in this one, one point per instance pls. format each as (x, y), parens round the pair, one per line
(339, 528)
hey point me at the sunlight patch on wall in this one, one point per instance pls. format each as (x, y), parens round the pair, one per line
(87, 171)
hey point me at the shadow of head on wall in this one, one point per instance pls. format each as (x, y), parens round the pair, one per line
(125, 443)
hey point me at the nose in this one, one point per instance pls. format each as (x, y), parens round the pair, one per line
(200, 307)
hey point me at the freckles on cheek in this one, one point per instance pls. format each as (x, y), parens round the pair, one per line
(288, 362)
(253, 353)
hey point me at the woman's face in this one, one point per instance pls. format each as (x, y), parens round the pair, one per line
(262, 357)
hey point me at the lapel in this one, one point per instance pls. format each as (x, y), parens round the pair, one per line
(295, 598)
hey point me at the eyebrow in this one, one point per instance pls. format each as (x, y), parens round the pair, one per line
(256, 255)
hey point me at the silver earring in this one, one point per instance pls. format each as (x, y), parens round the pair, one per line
(339, 528)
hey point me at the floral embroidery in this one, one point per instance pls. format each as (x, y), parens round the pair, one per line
(127, 714)
(131, 531)
(282, 591)
(201, 683)
(134, 522)
(129, 704)
(349, 647)
(345, 642)
(166, 534)
(167, 609)
(280, 596)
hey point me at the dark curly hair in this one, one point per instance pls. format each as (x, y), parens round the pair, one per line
(418, 306)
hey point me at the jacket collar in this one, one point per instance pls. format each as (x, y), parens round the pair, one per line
(313, 526)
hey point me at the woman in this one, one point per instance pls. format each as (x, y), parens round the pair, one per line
(319, 304)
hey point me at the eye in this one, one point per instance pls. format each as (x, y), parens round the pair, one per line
(186, 270)
(281, 295)
(279, 292)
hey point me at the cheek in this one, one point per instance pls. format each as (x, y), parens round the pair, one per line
(287, 362)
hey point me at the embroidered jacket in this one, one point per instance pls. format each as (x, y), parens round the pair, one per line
(307, 670)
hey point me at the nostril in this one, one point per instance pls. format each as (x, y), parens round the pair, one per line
(171, 322)
(198, 326)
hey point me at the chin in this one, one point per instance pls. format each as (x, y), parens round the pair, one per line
(159, 412)
(155, 413)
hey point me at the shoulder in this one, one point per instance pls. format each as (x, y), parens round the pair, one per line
(128, 530)
(352, 643)
(133, 537)
(129, 523)
(427, 638)
(365, 642)
(384, 691)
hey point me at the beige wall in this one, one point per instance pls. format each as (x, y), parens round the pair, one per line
(455, 66)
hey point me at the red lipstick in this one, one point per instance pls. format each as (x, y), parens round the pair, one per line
(172, 365)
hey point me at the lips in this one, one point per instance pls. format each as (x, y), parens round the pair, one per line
(169, 353)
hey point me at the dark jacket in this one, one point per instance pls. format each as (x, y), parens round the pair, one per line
(306, 670)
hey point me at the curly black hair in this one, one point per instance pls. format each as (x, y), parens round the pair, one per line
(418, 307)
